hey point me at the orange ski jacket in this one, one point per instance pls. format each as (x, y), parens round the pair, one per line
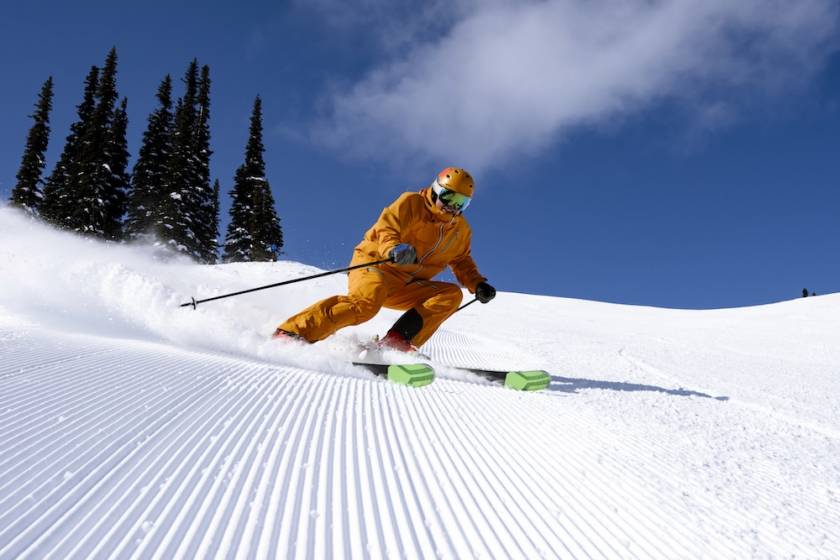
(440, 240)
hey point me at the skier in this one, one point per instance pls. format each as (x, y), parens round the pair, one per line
(421, 232)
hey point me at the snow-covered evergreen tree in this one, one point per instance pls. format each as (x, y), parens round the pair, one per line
(187, 222)
(254, 232)
(148, 182)
(93, 211)
(268, 235)
(27, 192)
(177, 224)
(119, 176)
(217, 208)
(206, 224)
(58, 193)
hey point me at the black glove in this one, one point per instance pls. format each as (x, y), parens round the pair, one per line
(403, 254)
(484, 292)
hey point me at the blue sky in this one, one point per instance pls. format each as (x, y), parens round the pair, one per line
(661, 153)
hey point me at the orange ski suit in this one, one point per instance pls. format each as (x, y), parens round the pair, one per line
(440, 240)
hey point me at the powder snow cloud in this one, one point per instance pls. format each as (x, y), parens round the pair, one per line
(494, 79)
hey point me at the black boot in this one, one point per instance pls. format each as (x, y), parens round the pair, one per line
(400, 335)
(408, 325)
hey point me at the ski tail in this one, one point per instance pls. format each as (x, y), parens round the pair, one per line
(526, 380)
(534, 380)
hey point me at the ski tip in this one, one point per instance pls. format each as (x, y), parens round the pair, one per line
(413, 375)
(535, 380)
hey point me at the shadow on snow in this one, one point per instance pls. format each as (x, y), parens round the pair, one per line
(573, 385)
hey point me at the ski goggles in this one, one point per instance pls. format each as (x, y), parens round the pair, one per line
(450, 198)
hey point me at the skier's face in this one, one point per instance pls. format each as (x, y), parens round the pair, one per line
(444, 208)
(451, 198)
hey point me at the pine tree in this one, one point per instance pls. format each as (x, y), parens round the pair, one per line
(27, 192)
(177, 224)
(58, 200)
(148, 182)
(216, 216)
(254, 232)
(268, 236)
(206, 224)
(119, 178)
(93, 211)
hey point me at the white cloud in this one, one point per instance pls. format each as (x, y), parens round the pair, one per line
(501, 78)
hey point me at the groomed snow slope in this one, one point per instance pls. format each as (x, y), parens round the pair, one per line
(130, 427)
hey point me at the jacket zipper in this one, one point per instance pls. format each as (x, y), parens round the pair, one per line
(430, 251)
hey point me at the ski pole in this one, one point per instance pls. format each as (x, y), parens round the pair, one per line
(194, 303)
(465, 305)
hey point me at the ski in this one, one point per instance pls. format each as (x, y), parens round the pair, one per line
(529, 380)
(413, 375)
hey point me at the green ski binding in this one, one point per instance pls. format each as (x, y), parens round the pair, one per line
(535, 380)
(413, 375)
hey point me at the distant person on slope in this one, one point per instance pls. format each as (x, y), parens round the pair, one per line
(421, 232)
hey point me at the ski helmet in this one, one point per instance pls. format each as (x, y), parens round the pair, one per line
(456, 179)
(454, 187)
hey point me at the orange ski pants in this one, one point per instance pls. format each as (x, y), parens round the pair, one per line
(370, 289)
